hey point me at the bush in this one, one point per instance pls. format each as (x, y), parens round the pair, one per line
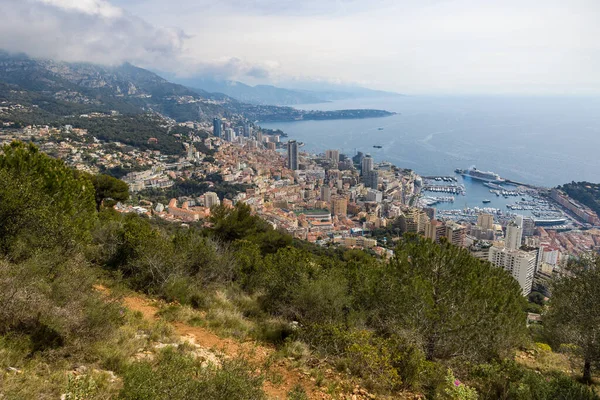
(509, 380)
(371, 359)
(297, 393)
(176, 376)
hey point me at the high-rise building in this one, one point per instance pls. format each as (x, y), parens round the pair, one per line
(292, 162)
(520, 264)
(514, 236)
(333, 155)
(415, 220)
(326, 193)
(485, 221)
(271, 146)
(435, 230)
(339, 206)
(528, 226)
(455, 233)
(367, 164)
(217, 127)
(482, 234)
(211, 199)
(371, 179)
(259, 137)
(229, 134)
(247, 130)
(357, 159)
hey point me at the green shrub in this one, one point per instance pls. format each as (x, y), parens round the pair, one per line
(297, 393)
(371, 359)
(275, 331)
(176, 376)
(509, 380)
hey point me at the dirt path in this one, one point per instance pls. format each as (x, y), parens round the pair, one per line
(255, 353)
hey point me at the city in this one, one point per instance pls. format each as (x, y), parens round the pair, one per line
(332, 199)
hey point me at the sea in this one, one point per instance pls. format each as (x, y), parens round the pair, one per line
(544, 141)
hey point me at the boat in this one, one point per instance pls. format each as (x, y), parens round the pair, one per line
(486, 201)
(485, 176)
(378, 147)
(380, 129)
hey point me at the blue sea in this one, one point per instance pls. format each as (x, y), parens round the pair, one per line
(544, 141)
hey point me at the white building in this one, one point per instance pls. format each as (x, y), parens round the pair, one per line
(520, 264)
(367, 164)
(374, 195)
(485, 221)
(551, 256)
(333, 155)
(514, 236)
(211, 199)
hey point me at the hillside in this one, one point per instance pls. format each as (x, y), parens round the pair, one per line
(67, 88)
(231, 309)
(260, 94)
(59, 89)
(584, 192)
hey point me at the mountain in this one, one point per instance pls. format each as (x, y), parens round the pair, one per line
(66, 88)
(306, 93)
(260, 94)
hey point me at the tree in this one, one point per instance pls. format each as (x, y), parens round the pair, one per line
(458, 305)
(43, 203)
(574, 311)
(108, 187)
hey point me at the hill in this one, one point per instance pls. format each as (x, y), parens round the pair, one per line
(584, 192)
(68, 88)
(273, 95)
(97, 305)
(57, 89)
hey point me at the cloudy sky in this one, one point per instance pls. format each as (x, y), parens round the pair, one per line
(409, 46)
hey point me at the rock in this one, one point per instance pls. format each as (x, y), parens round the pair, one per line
(80, 369)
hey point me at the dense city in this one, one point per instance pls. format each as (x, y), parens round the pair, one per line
(331, 199)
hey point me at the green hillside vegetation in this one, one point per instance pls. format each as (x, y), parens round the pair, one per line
(417, 322)
(584, 192)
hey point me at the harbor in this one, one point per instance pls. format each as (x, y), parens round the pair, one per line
(491, 194)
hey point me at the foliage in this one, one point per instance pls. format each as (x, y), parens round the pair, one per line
(574, 313)
(43, 203)
(456, 390)
(459, 305)
(297, 393)
(178, 376)
(109, 188)
(585, 192)
(511, 381)
(50, 300)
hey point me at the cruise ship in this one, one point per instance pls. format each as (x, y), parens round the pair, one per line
(485, 176)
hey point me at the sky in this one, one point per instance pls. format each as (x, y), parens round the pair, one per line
(533, 47)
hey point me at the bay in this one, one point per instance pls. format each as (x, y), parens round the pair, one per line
(544, 141)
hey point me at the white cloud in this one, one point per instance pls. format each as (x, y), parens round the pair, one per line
(414, 46)
(92, 7)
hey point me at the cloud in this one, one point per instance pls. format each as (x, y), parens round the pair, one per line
(97, 31)
(84, 30)
(227, 68)
(91, 7)
(410, 46)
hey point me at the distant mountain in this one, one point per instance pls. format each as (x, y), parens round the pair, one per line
(85, 87)
(53, 90)
(260, 94)
(273, 95)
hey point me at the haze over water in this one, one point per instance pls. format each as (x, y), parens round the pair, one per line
(539, 140)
